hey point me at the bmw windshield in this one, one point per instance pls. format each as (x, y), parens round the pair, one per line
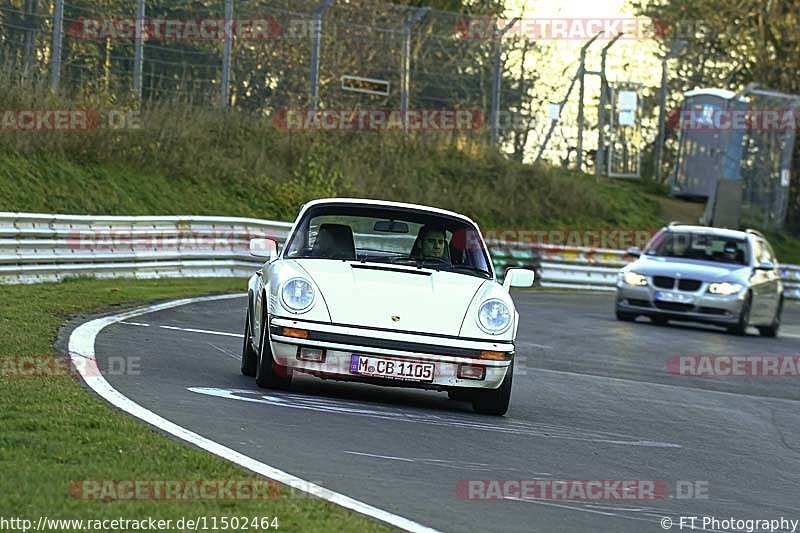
(699, 247)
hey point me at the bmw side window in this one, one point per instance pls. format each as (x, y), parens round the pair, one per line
(756, 251)
(770, 253)
(765, 255)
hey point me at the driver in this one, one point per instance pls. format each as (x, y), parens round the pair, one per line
(731, 252)
(432, 243)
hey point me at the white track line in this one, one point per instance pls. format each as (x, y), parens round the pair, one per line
(207, 331)
(82, 354)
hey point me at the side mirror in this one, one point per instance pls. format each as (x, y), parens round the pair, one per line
(635, 251)
(264, 248)
(518, 277)
(765, 265)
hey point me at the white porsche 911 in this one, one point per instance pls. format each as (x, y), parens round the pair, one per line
(383, 293)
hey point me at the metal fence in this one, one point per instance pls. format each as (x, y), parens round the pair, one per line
(262, 56)
(41, 247)
(269, 55)
(766, 166)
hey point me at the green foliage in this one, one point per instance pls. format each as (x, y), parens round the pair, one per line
(186, 160)
(55, 433)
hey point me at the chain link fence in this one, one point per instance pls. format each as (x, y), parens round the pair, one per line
(268, 56)
(766, 166)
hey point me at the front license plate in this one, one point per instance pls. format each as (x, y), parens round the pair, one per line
(666, 296)
(391, 368)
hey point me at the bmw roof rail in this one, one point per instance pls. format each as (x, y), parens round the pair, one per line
(754, 232)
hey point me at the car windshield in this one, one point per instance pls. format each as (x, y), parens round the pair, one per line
(394, 236)
(699, 247)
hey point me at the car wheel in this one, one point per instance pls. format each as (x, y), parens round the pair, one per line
(269, 374)
(624, 316)
(494, 402)
(659, 320)
(744, 318)
(249, 355)
(772, 329)
(460, 395)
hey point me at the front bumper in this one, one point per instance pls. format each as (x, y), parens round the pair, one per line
(340, 343)
(701, 306)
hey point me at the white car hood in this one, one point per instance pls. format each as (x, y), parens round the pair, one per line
(369, 294)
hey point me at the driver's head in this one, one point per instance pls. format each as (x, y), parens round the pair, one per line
(433, 242)
(730, 250)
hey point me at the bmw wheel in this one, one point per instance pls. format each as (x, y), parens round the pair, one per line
(740, 328)
(772, 329)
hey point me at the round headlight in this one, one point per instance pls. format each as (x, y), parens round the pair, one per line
(297, 295)
(494, 317)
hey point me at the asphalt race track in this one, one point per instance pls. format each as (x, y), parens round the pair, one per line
(592, 400)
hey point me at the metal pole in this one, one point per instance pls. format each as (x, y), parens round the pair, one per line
(225, 96)
(601, 117)
(581, 76)
(405, 74)
(138, 53)
(55, 60)
(553, 122)
(498, 45)
(316, 35)
(662, 104)
(662, 111)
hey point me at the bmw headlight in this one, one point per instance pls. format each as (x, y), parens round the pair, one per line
(297, 295)
(725, 288)
(632, 278)
(494, 317)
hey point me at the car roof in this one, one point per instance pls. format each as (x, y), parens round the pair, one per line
(386, 203)
(721, 232)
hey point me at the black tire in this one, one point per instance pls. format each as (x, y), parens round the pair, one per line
(740, 328)
(269, 374)
(249, 355)
(460, 395)
(772, 329)
(494, 402)
(624, 316)
(659, 320)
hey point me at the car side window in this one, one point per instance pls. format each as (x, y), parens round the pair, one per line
(761, 252)
(766, 253)
(757, 250)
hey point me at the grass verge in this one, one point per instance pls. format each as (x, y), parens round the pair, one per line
(54, 432)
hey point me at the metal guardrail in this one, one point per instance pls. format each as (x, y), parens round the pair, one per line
(42, 247)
